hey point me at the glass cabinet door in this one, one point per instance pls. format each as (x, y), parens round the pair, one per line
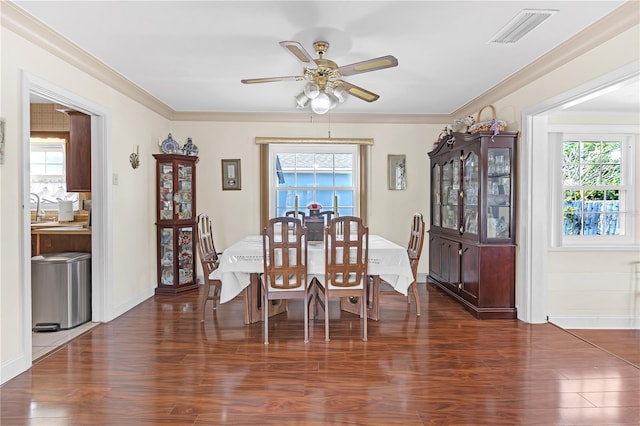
(185, 255)
(182, 197)
(436, 200)
(450, 194)
(165, 186)
(166, 256)
(499, 193)
(471, 185)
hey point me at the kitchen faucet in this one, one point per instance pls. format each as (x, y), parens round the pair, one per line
(38, 214)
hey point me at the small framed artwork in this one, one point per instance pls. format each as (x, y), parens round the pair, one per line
(397, 171)
(231, 174)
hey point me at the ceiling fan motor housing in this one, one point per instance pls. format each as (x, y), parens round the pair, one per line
(321, 47)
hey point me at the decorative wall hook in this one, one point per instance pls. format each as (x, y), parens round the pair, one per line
(134, 158)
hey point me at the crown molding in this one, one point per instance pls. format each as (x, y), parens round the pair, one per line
(303, 117)
(621, 19)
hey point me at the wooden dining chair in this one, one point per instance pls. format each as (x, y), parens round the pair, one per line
(414, 249)
(284, 242)
(209, 259)
(292, 213)
(346, 265)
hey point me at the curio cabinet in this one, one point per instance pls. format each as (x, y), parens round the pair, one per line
(473, 214)
(176, 222)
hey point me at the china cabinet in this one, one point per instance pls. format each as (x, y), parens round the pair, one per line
(176, 222)
(473, 213)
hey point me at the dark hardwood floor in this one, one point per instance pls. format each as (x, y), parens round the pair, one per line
(157, 364)
(621, 343)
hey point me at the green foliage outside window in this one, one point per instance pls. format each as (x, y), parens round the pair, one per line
(591, 171)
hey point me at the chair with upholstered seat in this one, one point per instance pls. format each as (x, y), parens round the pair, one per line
(209, 259)
(346, 265)
(284, 242)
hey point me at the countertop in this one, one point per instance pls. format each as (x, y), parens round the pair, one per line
(78, 228)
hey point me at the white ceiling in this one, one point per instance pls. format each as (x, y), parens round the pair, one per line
(191, 55)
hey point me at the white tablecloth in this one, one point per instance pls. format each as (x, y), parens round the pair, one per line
(386, 259)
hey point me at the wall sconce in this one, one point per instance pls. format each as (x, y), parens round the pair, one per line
(134, 158)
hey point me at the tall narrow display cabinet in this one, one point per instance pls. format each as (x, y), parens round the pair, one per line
(176, 222)
(472, 252)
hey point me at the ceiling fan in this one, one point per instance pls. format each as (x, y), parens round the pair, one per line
(325, 87)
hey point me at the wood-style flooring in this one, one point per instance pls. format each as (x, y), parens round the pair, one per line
(621, 343)
(158, 364)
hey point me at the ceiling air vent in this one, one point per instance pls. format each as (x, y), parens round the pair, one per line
(521, 25)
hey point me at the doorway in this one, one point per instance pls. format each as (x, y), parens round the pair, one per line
(33, 87)
(534, 227)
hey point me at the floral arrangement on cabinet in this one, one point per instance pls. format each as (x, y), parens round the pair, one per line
(460, 125)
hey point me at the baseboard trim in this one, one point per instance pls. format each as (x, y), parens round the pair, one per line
(13, 368)
(131, 303)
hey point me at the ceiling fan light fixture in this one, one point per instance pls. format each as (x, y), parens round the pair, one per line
(301, 100)
(333, 99)
(311, 90)
(340, 93)
(321, 104)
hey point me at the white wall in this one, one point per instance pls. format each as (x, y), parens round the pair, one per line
(594, 289)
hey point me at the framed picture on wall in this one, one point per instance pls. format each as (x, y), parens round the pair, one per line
(397, 171)
(231, 174)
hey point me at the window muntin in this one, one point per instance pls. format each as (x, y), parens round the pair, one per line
(318, 173)
(47, 173)
(596, 195)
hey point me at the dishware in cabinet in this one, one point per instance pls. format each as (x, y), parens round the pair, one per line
(175, 223)
(473, 211)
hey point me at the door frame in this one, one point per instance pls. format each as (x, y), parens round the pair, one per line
(101, 222)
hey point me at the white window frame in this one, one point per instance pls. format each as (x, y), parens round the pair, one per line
(52, 144)
(628, 222)
(353, 149)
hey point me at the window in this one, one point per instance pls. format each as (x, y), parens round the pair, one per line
(319, 173)
(48, 178)
(597, 197)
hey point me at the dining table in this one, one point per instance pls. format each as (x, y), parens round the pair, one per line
(242, 262)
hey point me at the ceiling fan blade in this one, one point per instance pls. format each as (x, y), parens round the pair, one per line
(300, 53)
(370, 65)
(272, 79)
(359, 92)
